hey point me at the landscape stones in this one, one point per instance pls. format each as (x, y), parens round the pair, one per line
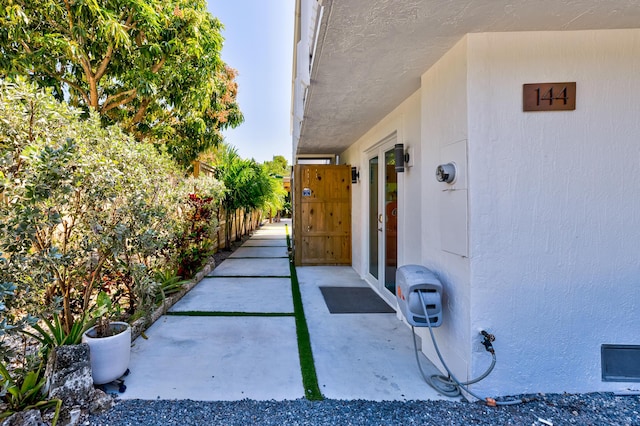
(24, 418)
(69, 379)
(69, 375)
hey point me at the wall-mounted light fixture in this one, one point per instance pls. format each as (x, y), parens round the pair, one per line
(355, 175)
(401, 157)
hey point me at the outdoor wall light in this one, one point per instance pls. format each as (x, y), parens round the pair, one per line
(401, 157)
(355, 175)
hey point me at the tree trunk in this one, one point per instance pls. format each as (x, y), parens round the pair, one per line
(227, 229)
(235, 219)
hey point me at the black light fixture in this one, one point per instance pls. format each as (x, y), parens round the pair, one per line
(355, 175)
(400, 156)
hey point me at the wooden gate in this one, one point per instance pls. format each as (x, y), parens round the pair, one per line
(322, 214)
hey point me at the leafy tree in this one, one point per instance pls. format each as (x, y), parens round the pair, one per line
(231, 170)
(84, 211)
(278, 167)
(261, 191)
(151, 65)
(77, 199)
(249, 186)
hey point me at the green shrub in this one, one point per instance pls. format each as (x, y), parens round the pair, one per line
(195, 242)
(86, 211)
(23, 392)
(77, 198)
(169, 283)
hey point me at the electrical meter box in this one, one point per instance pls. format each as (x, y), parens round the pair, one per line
(418, 290)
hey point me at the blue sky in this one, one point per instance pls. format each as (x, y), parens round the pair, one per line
(259, 44)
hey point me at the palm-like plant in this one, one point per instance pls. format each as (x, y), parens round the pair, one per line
(249, 187)
(23, 393)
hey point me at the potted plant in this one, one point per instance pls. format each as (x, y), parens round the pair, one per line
(109, 344)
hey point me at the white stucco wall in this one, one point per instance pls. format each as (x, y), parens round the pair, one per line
(554, 207)
(537, 242)
(405, 122)
(444, 130)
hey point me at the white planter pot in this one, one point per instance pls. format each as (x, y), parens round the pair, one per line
(109, 355)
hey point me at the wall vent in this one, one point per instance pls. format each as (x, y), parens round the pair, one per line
(620, 363)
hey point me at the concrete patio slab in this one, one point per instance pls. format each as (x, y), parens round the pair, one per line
(360, 356)
(238, 295)
(216, 359)
(252, 267)
(269, 236)
(265, 243)
(275, 227)
(260, 252)
(337, 276)
(357, 356)
(272, 228)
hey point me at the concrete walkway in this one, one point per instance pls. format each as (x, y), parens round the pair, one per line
(233, 337)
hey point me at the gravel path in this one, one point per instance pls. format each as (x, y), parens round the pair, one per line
(552, 409)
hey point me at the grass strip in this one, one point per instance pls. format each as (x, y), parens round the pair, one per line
(228, 314)
(307, 365)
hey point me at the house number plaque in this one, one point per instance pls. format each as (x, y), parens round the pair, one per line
(549, 96)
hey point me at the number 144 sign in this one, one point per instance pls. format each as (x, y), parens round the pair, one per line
(549, 96)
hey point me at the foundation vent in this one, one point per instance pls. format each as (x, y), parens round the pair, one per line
(620, 363)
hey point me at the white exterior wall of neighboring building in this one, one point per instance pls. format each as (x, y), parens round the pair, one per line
(554, 207)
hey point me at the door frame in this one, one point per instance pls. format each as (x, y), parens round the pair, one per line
(378, 150)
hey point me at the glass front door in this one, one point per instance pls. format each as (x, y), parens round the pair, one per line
(374, 223)
(383, 220)
(390, 221)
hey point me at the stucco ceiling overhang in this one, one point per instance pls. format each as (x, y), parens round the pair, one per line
(371, 53)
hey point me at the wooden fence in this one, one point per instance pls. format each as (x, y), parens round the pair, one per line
(241, 223)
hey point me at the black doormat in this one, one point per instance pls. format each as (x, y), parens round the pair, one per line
(354, 300)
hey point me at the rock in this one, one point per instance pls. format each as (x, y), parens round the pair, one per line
(69, 375)
(74, 416)
(69, 379)
(24, 418)
(70, 416)
(100, 402)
